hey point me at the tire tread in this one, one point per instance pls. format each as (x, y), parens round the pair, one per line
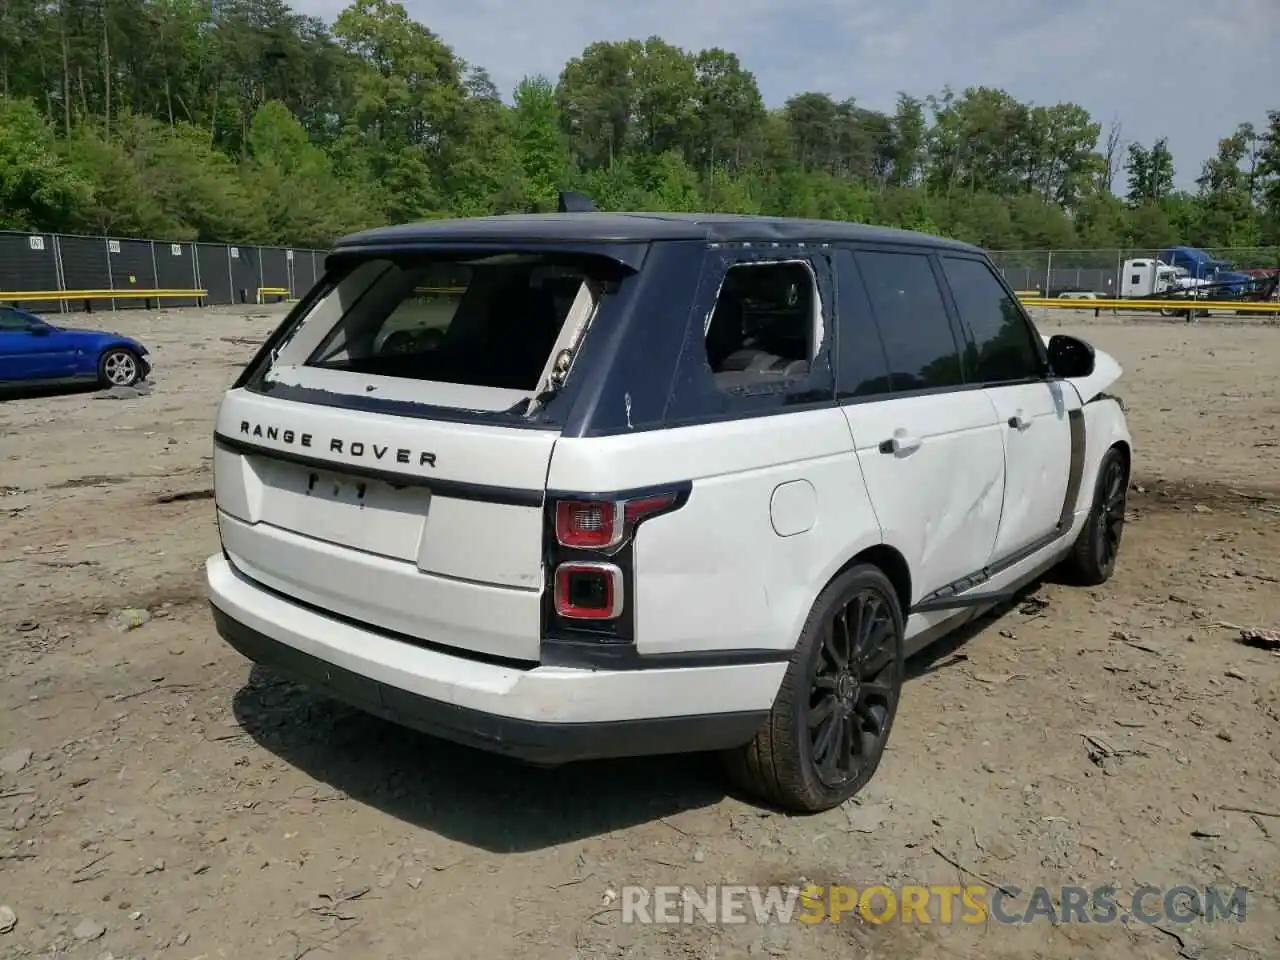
(1080, 565)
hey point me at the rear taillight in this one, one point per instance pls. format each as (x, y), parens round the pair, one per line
(588, 591)
(590, 560)
(588, 525)
(602, 524)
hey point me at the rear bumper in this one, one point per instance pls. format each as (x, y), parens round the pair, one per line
(543, 714)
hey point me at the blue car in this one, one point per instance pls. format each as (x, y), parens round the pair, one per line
(33, 352)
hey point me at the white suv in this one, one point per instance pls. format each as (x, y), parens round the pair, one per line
(584, 484)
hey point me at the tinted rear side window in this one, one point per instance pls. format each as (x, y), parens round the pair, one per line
(913, 322)
(1002, 348)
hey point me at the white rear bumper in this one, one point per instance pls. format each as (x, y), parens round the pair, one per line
(545, 713)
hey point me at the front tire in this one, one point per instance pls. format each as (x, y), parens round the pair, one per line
(119, 367)
(1093, 557)
(831, 720)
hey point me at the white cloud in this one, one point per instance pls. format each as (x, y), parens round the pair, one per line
(1187, 69)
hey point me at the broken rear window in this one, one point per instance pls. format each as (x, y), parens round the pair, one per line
(502, 321)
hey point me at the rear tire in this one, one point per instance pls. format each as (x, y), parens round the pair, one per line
(1093, 556)
(833, 714)
(119, 367)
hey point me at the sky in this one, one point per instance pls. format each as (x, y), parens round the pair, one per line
(1191, 70)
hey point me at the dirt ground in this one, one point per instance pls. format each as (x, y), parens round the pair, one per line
(160, 798)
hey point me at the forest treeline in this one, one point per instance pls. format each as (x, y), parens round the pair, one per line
(244, 121)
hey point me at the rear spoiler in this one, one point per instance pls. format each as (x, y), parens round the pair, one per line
(571, 202)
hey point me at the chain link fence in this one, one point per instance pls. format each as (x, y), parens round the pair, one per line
(59, 262)
(1051, 272)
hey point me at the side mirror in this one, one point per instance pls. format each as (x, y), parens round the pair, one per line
(1070, 357)
(38, 330)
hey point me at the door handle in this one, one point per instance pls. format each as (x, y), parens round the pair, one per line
(1019, 422)
(900, 444)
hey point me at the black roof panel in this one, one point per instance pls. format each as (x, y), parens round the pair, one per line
(635, 228)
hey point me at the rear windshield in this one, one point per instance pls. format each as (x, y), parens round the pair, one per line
(491, 321)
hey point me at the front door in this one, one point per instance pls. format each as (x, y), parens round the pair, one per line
(1005, 354)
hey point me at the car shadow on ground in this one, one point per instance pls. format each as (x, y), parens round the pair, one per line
(481, 799)
(35, 391)
(467, 795)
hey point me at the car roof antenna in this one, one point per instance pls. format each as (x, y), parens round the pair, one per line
(571, 202)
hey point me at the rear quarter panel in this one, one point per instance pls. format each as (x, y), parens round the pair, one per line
(778, 505)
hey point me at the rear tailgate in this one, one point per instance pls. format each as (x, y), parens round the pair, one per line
(424, 528)
(385, 460)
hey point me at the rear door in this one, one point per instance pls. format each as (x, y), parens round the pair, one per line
(389, 465)
(930, 449)
(1005, 355)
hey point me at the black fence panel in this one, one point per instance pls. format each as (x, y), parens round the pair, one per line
(176, 270)
(304, 272)
(275, 269)
(131, 269)
(1021, 278)
(1083, 279)
(215, 272)
(85, 266)
(246, 275)
(28, 262)
(69, 263)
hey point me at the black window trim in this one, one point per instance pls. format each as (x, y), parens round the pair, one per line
(953, 305)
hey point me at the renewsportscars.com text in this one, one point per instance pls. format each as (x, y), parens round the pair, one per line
(943, 904)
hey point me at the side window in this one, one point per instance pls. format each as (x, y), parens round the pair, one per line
(766, 325)
(861, 369)
(11, 320)
(1002, 348)
(912, 317)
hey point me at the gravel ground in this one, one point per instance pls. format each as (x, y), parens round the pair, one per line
(161, 798)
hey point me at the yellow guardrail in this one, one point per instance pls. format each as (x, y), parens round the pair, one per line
(16, 297)
(29, 296)
(282, 292)
(1066, 303)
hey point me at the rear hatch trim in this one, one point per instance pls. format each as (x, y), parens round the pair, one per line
(456, 489)
(363, 403)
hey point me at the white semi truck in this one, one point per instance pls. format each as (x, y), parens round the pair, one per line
(1155, 278)
(1146, 278)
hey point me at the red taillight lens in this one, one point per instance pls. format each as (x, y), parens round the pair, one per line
(587, 525)
(600, 524)
(636, 510)
(588, 591)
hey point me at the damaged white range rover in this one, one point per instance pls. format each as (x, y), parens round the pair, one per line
(586, 485)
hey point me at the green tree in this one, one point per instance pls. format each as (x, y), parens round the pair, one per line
(540, 143)
(38, 190)
(1150, 172)
(246, 120)
(1225, 215)
(727, 112)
